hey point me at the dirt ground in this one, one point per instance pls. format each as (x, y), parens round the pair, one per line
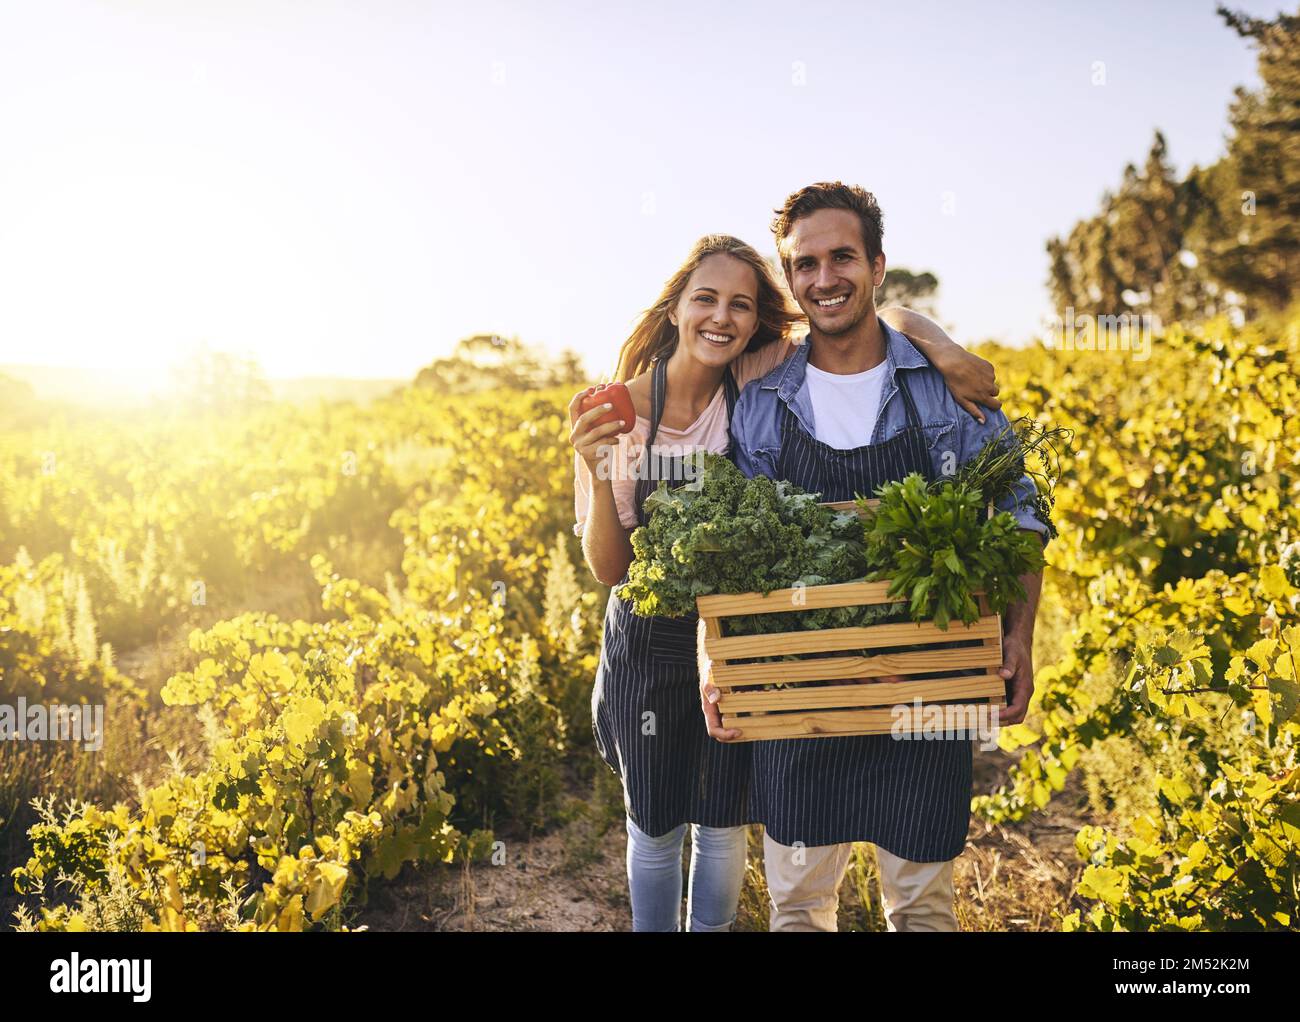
(1012, 877)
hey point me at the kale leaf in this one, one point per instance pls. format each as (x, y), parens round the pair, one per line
(724, 533)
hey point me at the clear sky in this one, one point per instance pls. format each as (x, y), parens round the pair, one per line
(348, 188)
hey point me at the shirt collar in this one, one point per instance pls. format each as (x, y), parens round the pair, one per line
(788, 377)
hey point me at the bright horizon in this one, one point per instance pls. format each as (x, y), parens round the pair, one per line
(348, 191)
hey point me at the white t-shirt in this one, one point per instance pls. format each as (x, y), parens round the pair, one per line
(845, 406)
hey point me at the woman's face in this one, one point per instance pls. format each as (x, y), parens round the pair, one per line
(717, 313)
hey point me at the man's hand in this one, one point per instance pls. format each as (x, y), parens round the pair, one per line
(972, 380)
(709, 693)
(1018, 669)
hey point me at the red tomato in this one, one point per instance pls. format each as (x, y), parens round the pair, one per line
(615, 394)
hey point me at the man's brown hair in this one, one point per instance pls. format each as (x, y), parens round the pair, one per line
(831, 195)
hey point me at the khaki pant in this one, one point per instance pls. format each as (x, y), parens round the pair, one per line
(804, 885)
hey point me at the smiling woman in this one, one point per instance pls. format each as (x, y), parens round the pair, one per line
(721, 321)
(721, 304)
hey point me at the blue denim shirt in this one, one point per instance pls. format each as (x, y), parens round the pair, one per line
(952, 436)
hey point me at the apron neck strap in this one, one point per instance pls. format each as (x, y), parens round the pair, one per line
(659, 394)
(913, 416)
(732, 392)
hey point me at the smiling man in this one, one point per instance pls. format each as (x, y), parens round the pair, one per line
(854, 407)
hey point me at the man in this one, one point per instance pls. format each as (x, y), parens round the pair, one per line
(856, 406)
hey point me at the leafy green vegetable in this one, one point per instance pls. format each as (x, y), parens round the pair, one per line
(1023, 447)
(724, 533)
(933, 541)
(938, 548)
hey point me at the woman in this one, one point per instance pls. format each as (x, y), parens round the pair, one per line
(720, 321)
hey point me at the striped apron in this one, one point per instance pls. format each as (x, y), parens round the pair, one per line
(645, 706)
(911, 798)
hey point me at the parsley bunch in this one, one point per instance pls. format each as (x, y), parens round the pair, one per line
(938, 548)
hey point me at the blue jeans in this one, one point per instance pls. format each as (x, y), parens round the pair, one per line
(654, 873)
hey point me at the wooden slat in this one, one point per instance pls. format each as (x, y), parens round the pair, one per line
(829, 723)
(726, 676)
(879, 693)
(842, 594)
(831, 640)
(993, 645)
(712, 630)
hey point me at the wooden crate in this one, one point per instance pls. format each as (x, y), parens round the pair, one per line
(812, 705)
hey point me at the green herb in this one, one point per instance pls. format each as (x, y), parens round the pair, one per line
(1024, 447)
(938, 548)
(857, 616)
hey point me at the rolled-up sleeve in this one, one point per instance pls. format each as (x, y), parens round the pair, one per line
(1021, 506)
(624, 484)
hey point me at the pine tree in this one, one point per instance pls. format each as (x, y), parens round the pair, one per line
(1254, 227)
(1226, 236)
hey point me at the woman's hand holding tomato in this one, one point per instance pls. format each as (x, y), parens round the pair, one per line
(595, 428)
(613, 395)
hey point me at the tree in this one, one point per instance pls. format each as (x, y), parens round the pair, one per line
(903, 287)
(1249, 217)
(1225, 237)
(1133, 256)
(489, 362)
(219, 383)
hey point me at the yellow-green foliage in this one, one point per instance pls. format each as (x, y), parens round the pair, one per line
(1179, 511)
(343, 747)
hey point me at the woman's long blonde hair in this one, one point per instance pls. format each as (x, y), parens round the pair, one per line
(654, 335)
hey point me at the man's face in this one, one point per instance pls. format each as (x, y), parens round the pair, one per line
(829, 273)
